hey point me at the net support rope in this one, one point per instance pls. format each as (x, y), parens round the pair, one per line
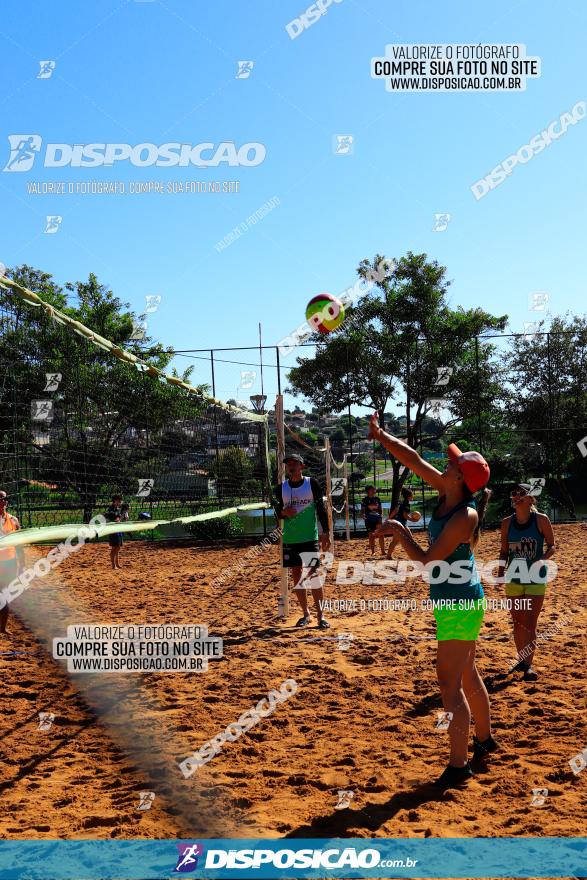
(49, 534)
(122, 354)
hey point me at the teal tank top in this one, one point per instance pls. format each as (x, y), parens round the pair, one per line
(526, 544)
(465, 583)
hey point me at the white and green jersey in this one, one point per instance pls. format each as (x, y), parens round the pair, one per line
(306, 499)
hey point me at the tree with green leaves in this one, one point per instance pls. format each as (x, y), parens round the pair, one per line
(232, 470)
(393, 346)
(110, 420)
(546, 381)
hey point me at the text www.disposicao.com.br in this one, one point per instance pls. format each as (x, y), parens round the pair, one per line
(135, 664)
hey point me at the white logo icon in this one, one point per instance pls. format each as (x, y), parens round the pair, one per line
(247, 379)
(53, 224)
(441, 222)
(343, 144)
(47, 68)
(139, 330)
(244, 69)
(152, 304)
(578, 762)
(537, 302)
(435, 405)
(536, 486)
(145, 487)
(344, 799)
(52, 381)
(146, 799)
(539, 796)
(315, 566)
(23, 150)
(345, 641)
(46, 720)
(443, 720)
(444, 374)
(41, 410)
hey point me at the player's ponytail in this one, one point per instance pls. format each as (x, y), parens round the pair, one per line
(481, 502)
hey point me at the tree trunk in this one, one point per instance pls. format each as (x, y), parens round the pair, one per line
(566, 496)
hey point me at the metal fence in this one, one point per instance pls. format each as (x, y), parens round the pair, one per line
(520, 399)
(76, 425)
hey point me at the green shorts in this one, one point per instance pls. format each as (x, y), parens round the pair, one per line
(516, 590)
(462, 624)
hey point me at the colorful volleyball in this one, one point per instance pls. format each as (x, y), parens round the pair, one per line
(324, 313)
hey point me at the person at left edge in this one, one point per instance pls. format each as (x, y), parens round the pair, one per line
(11, 558)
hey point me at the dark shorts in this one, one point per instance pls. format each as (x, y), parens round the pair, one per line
(372, 524)
(291, 553)
(116, 540)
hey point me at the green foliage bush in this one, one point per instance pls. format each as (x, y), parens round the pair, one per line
(217, 529)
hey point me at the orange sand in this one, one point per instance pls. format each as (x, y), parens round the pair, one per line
(362, 719)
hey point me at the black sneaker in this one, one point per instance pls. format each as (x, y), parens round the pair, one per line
(453, 776)
(522, 666)
(481, 749)
(304, 621)
(323, 623)
(530, 674)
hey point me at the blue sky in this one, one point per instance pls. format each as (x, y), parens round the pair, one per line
(155, 72)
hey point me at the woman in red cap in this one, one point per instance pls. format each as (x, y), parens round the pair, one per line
(458, 598)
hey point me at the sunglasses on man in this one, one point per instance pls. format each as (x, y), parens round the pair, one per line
(515, 492)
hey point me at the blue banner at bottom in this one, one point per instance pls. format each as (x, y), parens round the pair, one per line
(291, 858)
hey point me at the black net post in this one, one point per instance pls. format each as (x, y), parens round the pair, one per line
(150, 474)
(478, 388)
(15, 456)
(351, 441)
(88, 502)
(551, 452)
(219, 489)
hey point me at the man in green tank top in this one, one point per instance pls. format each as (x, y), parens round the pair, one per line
(300, 503)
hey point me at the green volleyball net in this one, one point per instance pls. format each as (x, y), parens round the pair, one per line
(83, 417)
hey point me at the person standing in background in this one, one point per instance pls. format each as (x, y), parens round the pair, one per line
(372, 512)
(11, 558)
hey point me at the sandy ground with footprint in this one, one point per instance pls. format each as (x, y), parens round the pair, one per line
(363, 719)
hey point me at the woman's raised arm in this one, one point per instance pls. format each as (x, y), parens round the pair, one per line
(405, 454)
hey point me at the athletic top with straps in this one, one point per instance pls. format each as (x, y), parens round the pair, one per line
(468, 584)
(525, 542)
(303, 526)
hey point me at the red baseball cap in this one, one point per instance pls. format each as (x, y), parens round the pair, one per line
(472, 465)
